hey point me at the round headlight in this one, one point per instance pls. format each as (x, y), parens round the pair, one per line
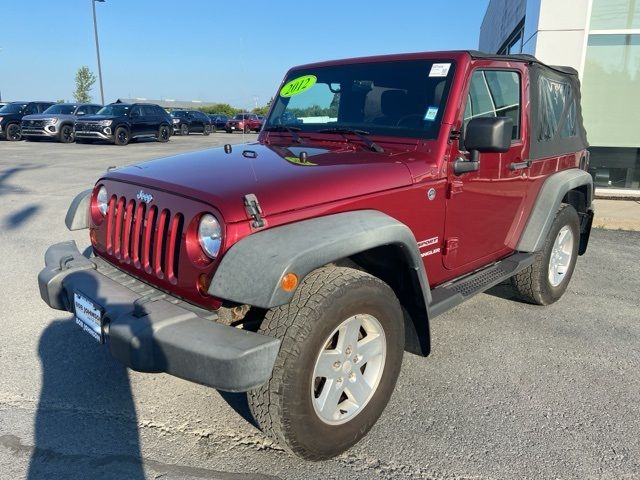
(210, 235)
(102, 200)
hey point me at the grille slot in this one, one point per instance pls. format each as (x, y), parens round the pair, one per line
(147, 237)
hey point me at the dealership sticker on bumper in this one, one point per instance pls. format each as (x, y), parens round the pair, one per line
(88, 316)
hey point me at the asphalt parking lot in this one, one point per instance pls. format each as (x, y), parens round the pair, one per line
(510, 391)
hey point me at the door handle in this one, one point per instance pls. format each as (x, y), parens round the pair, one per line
(520, 165)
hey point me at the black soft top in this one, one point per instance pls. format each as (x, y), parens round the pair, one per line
(556, 115)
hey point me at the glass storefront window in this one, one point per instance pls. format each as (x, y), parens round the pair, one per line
(615, 167)
(615, 14)
(611, 102)
(611, 90)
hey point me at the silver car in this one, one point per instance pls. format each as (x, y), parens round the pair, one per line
(56, 121)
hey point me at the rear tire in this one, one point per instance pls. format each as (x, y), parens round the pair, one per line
(344, 323)
(544, 282)
(121, 136)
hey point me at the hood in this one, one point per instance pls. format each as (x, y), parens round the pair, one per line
(40, 116)
(95, 118)
(277, 176)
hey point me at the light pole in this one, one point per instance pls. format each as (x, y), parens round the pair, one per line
(95, 30)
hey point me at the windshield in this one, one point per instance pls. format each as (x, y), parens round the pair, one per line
(116, 110)
(241, 116)
(400, 98)
(13, 108)
(61, 109)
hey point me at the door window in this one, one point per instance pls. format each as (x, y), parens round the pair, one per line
(31, 109)
(494, 93)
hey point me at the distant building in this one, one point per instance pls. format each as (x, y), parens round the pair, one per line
(170, 104)
(600, 39)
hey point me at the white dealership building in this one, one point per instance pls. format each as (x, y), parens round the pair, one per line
(601, 40)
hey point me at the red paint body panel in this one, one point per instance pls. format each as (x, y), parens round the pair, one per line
(483, 213)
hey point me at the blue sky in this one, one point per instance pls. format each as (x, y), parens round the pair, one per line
(211, 50)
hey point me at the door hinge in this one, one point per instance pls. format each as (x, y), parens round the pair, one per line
(455, 187)
(254, 210)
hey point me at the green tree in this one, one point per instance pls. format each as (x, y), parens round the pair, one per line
(220, 108)
(264, 109)
(84, 81)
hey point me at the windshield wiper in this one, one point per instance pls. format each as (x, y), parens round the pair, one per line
(285, 128)
(361, 134)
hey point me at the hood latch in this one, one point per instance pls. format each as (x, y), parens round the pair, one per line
(254, 210)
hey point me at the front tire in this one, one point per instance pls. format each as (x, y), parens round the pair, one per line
(66, 134)
(342, 345)
(544, 282)
(13, 132)
(163, 134)
(184, 129)
(121, 136)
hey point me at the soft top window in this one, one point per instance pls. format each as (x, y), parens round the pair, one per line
(557, 110)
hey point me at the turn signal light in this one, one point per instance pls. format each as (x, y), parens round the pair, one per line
(289, 282)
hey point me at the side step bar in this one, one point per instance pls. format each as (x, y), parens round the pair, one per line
(447, 296)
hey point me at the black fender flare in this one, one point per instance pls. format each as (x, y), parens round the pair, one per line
(251, 271)
(77, 217)
(553, 191)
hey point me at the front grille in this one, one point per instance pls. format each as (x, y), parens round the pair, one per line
(147, 237)
(32, 123)
(88, 127)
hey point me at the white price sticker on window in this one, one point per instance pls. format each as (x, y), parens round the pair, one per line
(440, 70)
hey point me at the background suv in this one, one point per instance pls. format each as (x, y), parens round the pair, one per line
(11, 116)
(218, 121)
(246, 122)
(56, 121)
(121, 123)
(188, 121)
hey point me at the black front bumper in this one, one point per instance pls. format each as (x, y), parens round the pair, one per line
(151, 331)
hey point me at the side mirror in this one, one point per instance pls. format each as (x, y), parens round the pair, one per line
(488, 134)
(484, 135)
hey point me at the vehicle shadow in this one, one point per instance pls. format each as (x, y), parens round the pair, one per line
(505, 291)
(85, 424)
(239, 403)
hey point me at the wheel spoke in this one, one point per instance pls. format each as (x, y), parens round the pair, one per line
(348, 334)
(329, 398)
(369, 347)
(325, 366)
(358, 390)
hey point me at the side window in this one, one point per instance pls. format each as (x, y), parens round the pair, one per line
(30, 109)
(558, 113)
(494, 93)
(42, 107)
(94, 109)
(136, 111)
(84, 110)
(148, 111)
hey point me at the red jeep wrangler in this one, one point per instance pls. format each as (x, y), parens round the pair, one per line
(243, 122)
(381, 193)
